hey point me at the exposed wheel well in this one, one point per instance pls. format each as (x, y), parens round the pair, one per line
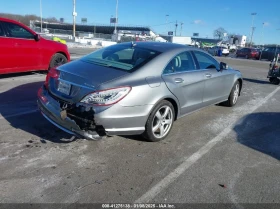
(240, 82)
(174, 103)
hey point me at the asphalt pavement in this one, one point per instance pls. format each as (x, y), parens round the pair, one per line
(215, 155)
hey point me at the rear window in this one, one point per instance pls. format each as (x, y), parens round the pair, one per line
(122, 57)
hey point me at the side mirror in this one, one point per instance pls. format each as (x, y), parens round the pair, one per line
(37, 37)
(223, 66)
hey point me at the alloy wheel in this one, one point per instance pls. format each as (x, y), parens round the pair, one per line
(162, 122)
(235, 93)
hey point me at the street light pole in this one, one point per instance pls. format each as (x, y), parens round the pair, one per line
(74, 18)
(181, 28)
(262, 42)
(115, 31)
(166, 21)
(41, 13)
(262, 34)
(253, 28)
(176, 25)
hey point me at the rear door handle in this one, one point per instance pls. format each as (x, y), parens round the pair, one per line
(179, 80)
(208, 75)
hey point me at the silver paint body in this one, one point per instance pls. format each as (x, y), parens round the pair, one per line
(190, 91)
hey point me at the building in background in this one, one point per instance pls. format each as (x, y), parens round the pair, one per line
(238, 40)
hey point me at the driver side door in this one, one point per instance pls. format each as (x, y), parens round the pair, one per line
(27, 52)
(215, 88)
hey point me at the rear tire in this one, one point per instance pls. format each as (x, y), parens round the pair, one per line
(234, 94)
(274, 81)
(160, 122)
(57, 59)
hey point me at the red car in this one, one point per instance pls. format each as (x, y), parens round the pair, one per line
(23, 50)
(248, 53)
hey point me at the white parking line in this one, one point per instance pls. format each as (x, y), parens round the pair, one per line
(17, 114)
(75, 57)
(188, 162)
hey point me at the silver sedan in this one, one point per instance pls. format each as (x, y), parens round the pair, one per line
(135, 88)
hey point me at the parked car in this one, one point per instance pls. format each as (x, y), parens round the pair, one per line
(135, 88)
(270, 53)
(24, 50)
(214, 50)
(248, 53)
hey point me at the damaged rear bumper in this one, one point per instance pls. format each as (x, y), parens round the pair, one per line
(51, 111)
(93, 124)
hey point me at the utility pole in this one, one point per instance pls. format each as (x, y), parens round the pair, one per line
(181, 28)
(176, 25)
(252, 27)
(115, 31)
(41, 13)
(74, 18)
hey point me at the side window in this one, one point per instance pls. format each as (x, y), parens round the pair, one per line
(205, 61)
(180, 63)
(1, 30)
(17, 31)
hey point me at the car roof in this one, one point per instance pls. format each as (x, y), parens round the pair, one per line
(8, 20)
(158, 46)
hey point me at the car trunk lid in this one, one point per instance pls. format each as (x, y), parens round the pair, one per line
(79, 78)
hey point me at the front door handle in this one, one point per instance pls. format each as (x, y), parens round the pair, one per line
(208, 75)
(179, 80)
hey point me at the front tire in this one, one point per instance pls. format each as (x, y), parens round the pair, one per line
(57, 59)
(234, 94)
(160, 122)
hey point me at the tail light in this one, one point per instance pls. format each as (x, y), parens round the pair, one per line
(53, 73)
(275, 67)
(106, 97)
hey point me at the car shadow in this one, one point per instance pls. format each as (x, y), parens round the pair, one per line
(256, 81)
(18, 107)
(138, 138)
(15, 75)
(261, 132)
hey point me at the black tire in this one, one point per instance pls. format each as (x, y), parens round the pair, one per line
(274, 81)
(57, 59)
(246, 57)
(231, 99)
(154, 121)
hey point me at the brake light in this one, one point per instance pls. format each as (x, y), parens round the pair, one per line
(106, 97)
(53, 73)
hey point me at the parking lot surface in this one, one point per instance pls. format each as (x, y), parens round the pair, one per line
(216, 155)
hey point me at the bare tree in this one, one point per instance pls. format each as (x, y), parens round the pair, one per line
(219, 33)
(25, 19)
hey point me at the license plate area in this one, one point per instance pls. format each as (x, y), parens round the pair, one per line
(64, 87)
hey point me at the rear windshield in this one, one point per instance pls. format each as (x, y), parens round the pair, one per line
(121, 57)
